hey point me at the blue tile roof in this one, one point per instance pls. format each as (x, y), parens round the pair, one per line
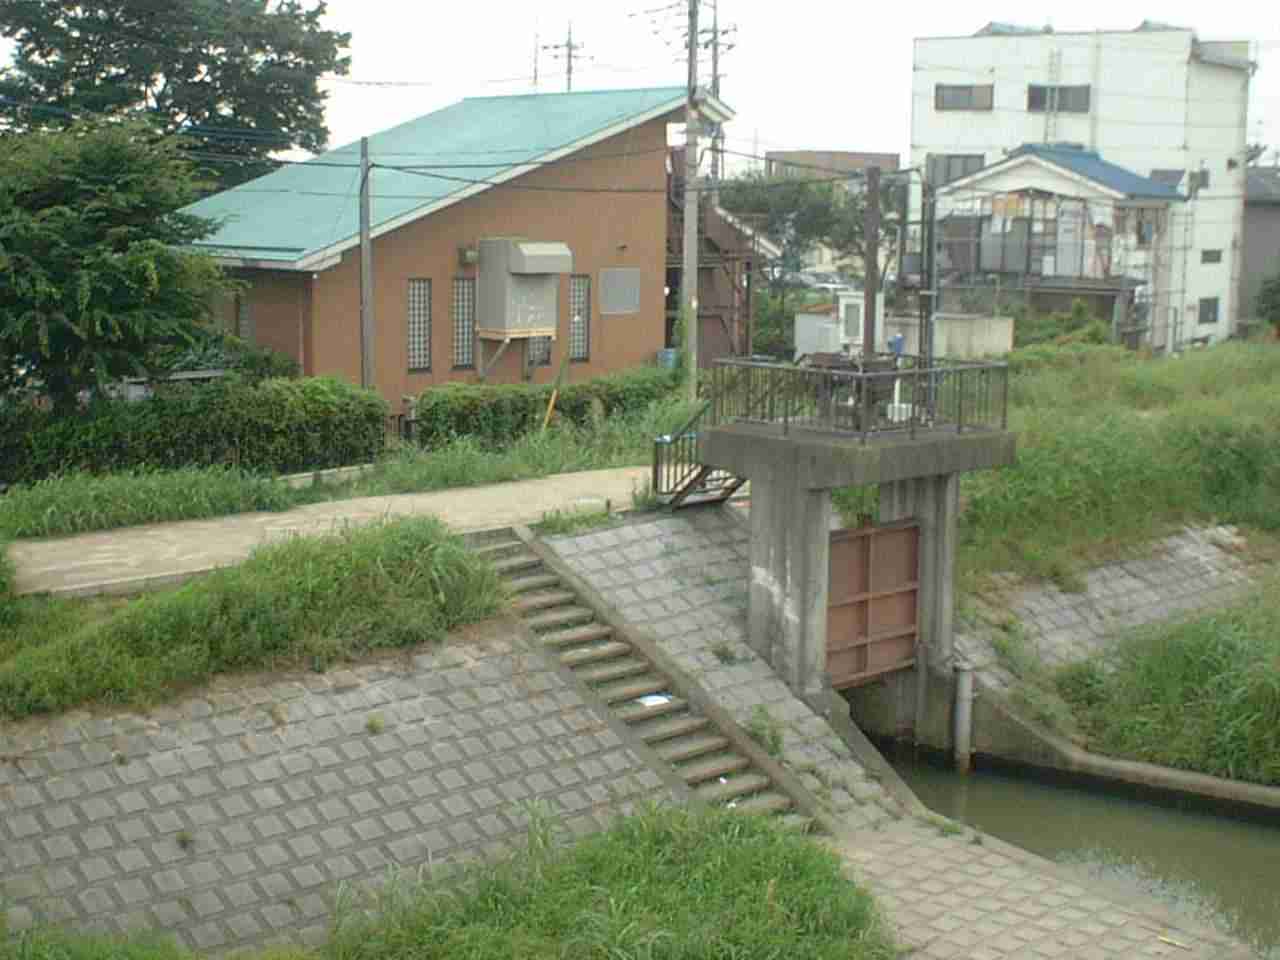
(1089, 164)
(302, 209)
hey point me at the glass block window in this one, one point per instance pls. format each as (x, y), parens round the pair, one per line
(539, 351)
(244, 319)
(464, 322)
(419, 324)
(579, 317)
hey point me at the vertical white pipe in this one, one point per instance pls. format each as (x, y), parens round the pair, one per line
(963, 732)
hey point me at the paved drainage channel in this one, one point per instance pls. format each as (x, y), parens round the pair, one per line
(629, 685)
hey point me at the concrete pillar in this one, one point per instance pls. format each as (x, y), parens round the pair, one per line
(935, 503)
(787, 598)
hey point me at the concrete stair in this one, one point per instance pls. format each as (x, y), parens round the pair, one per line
(633, 689)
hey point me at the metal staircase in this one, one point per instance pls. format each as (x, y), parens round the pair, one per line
(679, 476)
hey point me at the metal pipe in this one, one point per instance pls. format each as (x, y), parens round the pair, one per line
(963, 721)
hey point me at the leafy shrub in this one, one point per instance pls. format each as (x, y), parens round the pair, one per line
(1077, 326)
(79, 502)
(496, 414)
(225, 352)
(1267, 304)
(274, 426)
(308, 601)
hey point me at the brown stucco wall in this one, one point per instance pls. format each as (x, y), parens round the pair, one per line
(322, 311)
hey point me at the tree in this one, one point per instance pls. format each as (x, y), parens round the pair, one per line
(1267, 304)
(801, 213)
(238, 77)
(94, 267)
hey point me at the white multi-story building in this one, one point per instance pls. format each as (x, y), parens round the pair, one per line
(1157, 101)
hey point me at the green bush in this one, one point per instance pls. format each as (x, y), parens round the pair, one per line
(79, 502)
(273, 426)
(496, 414)
(305, 601)
(225, 352)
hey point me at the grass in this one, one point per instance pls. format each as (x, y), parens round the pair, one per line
(79, 503)
(660, 885)
(8, 599)
(1115, 450)
(309, 601)
(559, 523)
(1200, 694)
(765, 730)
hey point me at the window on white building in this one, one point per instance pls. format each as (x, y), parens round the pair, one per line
(419, 324)
(951, 96)
(1042, 98)
(946, 167)
(1144, 233)
(1208, 311)
(1210, 256)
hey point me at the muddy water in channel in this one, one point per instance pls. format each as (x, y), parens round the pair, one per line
(1221, 871)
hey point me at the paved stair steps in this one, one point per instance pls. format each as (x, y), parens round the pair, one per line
(664, 727)
(732, 788)
(713, 768)
(596, 652)
(533, 601)
(576, 636)
(622, 668)
(681, 749)
(570, 615)
(620, 676)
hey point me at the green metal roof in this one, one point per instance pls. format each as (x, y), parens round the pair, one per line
(304, 209)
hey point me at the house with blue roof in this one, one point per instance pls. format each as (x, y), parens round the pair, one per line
(1062, 223)
(1156, 102)
(508, 234)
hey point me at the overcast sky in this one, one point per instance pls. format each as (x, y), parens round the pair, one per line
(802, 74)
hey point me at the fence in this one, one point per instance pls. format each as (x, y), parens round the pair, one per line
(863, 397)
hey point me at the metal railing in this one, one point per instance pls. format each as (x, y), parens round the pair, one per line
(863, 397)
(675, 457)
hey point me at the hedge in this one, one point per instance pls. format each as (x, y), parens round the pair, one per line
(272, 426)
(497, 414)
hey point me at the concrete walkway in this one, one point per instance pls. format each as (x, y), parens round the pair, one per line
(139, 558)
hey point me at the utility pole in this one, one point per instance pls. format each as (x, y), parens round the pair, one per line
(366, 269)
(716, 145)
(570, 51)
(689, 272)
(536, 50)
(871, 261)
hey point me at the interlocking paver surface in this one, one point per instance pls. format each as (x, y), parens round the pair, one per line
(1196, 569)
(230, 817)
(683, 579)
(949, 898)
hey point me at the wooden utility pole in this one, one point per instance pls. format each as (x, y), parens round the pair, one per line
(689, 272)
(716, 143)
(570, 51)
(366, 269)
(871, 261)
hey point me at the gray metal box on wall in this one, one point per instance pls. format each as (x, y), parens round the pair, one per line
(518, 290)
